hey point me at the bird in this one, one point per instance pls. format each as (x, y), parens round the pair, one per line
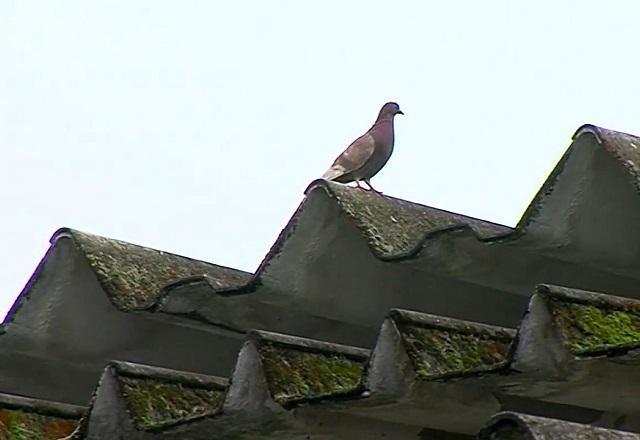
(365, 156)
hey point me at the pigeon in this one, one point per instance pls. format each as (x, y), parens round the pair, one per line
(369, 153)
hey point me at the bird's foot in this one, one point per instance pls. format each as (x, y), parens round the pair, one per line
(371, 188)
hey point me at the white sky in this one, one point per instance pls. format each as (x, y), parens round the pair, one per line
(194, 126)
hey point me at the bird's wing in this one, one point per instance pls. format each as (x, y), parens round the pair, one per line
(353, 158)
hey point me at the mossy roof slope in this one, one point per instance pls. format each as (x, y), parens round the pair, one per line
(133, 276)
(590, 323)
(155, 404)
(441, 351)
(395, 227)
(17, 424)
(295, 375)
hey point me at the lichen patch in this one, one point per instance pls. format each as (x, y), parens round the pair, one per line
(587, 329)
(21, 425)
(394, 226)
(297, 375)
(154, 404)
(133, 276)
(438, 353)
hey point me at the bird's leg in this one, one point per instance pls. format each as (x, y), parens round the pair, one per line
(371, 188)
(359, 186)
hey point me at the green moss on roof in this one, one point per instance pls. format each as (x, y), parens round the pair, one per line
(295, 375)
(439, 353)
(155, 404)
(394, 226)
(589, 329)
(20, 425)
(134, 275)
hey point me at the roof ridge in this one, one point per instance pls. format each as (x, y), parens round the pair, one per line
(145, 371)
(413, 251)
(303, 343)
(134, 276)
(447, 323)
(41, 406)
(611, 142)
(416, 354)
(70, 232)
(537, 427)
(330, 186)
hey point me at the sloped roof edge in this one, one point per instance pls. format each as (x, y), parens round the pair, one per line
(138, 288)
(204, 270)
(308, 344)
(286, 371)
(187, 378)
(329, 189)
(408, 247)
(46, 407)
(480, 229)
(612, 142)
(254, 281)
(19, 301)
(142, 386)
(615, 143)
(25, 417)
(430, 341)
(540, 428)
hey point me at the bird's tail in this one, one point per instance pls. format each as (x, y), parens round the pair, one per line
(333, 173)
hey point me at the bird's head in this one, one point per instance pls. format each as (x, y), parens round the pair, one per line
(389, 110)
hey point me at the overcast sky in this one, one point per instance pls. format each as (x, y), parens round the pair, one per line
(194, 126)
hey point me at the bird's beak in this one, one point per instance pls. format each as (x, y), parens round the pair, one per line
(399, 112)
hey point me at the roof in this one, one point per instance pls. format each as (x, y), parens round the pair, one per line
(133, 276)
(296, 370)
(158, 398)
(25, 418)
(133, 398)
(568, 368)
(589, 323)
(441, 347)
(621, 146)
(395, 228)
(281, 382)
(513, 426)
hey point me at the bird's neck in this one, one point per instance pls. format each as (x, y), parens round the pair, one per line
(386, 119)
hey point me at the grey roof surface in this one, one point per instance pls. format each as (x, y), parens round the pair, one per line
(621, 146)
(441, 347)
(514, 426)
(133, 276)
(569, 369)
(395, 227)
(133, 399)
(422, 364)
(25, 418)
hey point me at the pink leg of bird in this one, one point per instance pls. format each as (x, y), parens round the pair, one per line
(371, 188)
(359, 186)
